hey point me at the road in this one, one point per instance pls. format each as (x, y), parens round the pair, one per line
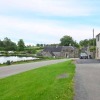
(15, 69)
(87, 80)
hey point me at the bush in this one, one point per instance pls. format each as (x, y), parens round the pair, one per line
(8, 62)
(92, 49)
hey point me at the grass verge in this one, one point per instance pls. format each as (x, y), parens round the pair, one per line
(40, 84)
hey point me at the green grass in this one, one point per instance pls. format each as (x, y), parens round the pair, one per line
(40, 84)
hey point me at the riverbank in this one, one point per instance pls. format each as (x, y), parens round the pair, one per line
(27, 61)
(20, 55)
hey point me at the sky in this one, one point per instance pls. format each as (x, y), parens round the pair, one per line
(47, 21)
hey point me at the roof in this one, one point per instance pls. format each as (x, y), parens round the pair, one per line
(53, 48)
(52, 53)
(97, 34)
(57, 48)
(68, 47)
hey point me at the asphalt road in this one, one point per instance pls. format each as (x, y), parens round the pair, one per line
(15, 69)
(87, 61)
(87, 81)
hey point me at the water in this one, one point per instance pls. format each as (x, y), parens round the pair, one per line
(4, 59)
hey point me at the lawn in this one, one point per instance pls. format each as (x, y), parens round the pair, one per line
(43, 83)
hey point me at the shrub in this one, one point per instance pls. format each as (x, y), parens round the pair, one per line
(8, 62)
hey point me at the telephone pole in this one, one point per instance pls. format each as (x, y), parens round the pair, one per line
(93, 45)
(93, 38)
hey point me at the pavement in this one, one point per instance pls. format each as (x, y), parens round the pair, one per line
(87, 61)
(87, 80)
(15, 69)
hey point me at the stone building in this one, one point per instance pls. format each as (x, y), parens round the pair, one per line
(60, 51)
(98, 46)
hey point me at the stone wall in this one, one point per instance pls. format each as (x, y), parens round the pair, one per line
(98, 47)
(46, 54)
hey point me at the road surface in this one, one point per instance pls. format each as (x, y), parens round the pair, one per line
(87, 80)
(15, 69)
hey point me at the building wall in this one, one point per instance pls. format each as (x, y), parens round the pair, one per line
(76, 53)
(66, 54)
(98, 46)
(46, 54)
(57, 54)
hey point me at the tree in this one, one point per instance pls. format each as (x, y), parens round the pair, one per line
(84, 43)
(41, 45)
(21, 45)
(13, 46)
(1, 45)
(66, 41)
(88, 42)
(75, 44)
(92, 42)
(8, 45)
(38, 45)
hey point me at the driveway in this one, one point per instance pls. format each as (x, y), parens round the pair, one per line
(87, 80)
(15, 69)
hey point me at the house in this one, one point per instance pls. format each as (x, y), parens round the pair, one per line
(60, 51)
(98, 46)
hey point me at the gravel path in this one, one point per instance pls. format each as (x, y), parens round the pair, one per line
(15, 69)
(87, 81)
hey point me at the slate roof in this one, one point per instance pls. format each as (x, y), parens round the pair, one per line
(57, 48)
(52, 53)
(68, 48)
(53, 48)
(97, 34)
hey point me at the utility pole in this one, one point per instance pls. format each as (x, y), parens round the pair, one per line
(93, 38)
(93, 45)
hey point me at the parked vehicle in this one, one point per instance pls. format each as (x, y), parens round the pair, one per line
(83, 56)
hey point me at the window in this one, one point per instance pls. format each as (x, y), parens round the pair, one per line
(71, 50)
(98, 37)
(97, 52)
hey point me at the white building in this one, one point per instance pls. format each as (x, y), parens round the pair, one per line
(98, 46)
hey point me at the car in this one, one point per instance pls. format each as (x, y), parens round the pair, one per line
(83, 56)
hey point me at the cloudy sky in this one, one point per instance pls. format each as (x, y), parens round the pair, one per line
(46, 21)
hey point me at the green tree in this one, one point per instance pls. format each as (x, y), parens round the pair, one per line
(1, 45)
(41, 45)
(21, 45)
(13, 46)
(75, 44)
(92, 42)
(84, 43)
(38, 45)
(8, 45)
(88, 42)
(66, 40)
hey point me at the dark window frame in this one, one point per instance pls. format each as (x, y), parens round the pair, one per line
(98, 37)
